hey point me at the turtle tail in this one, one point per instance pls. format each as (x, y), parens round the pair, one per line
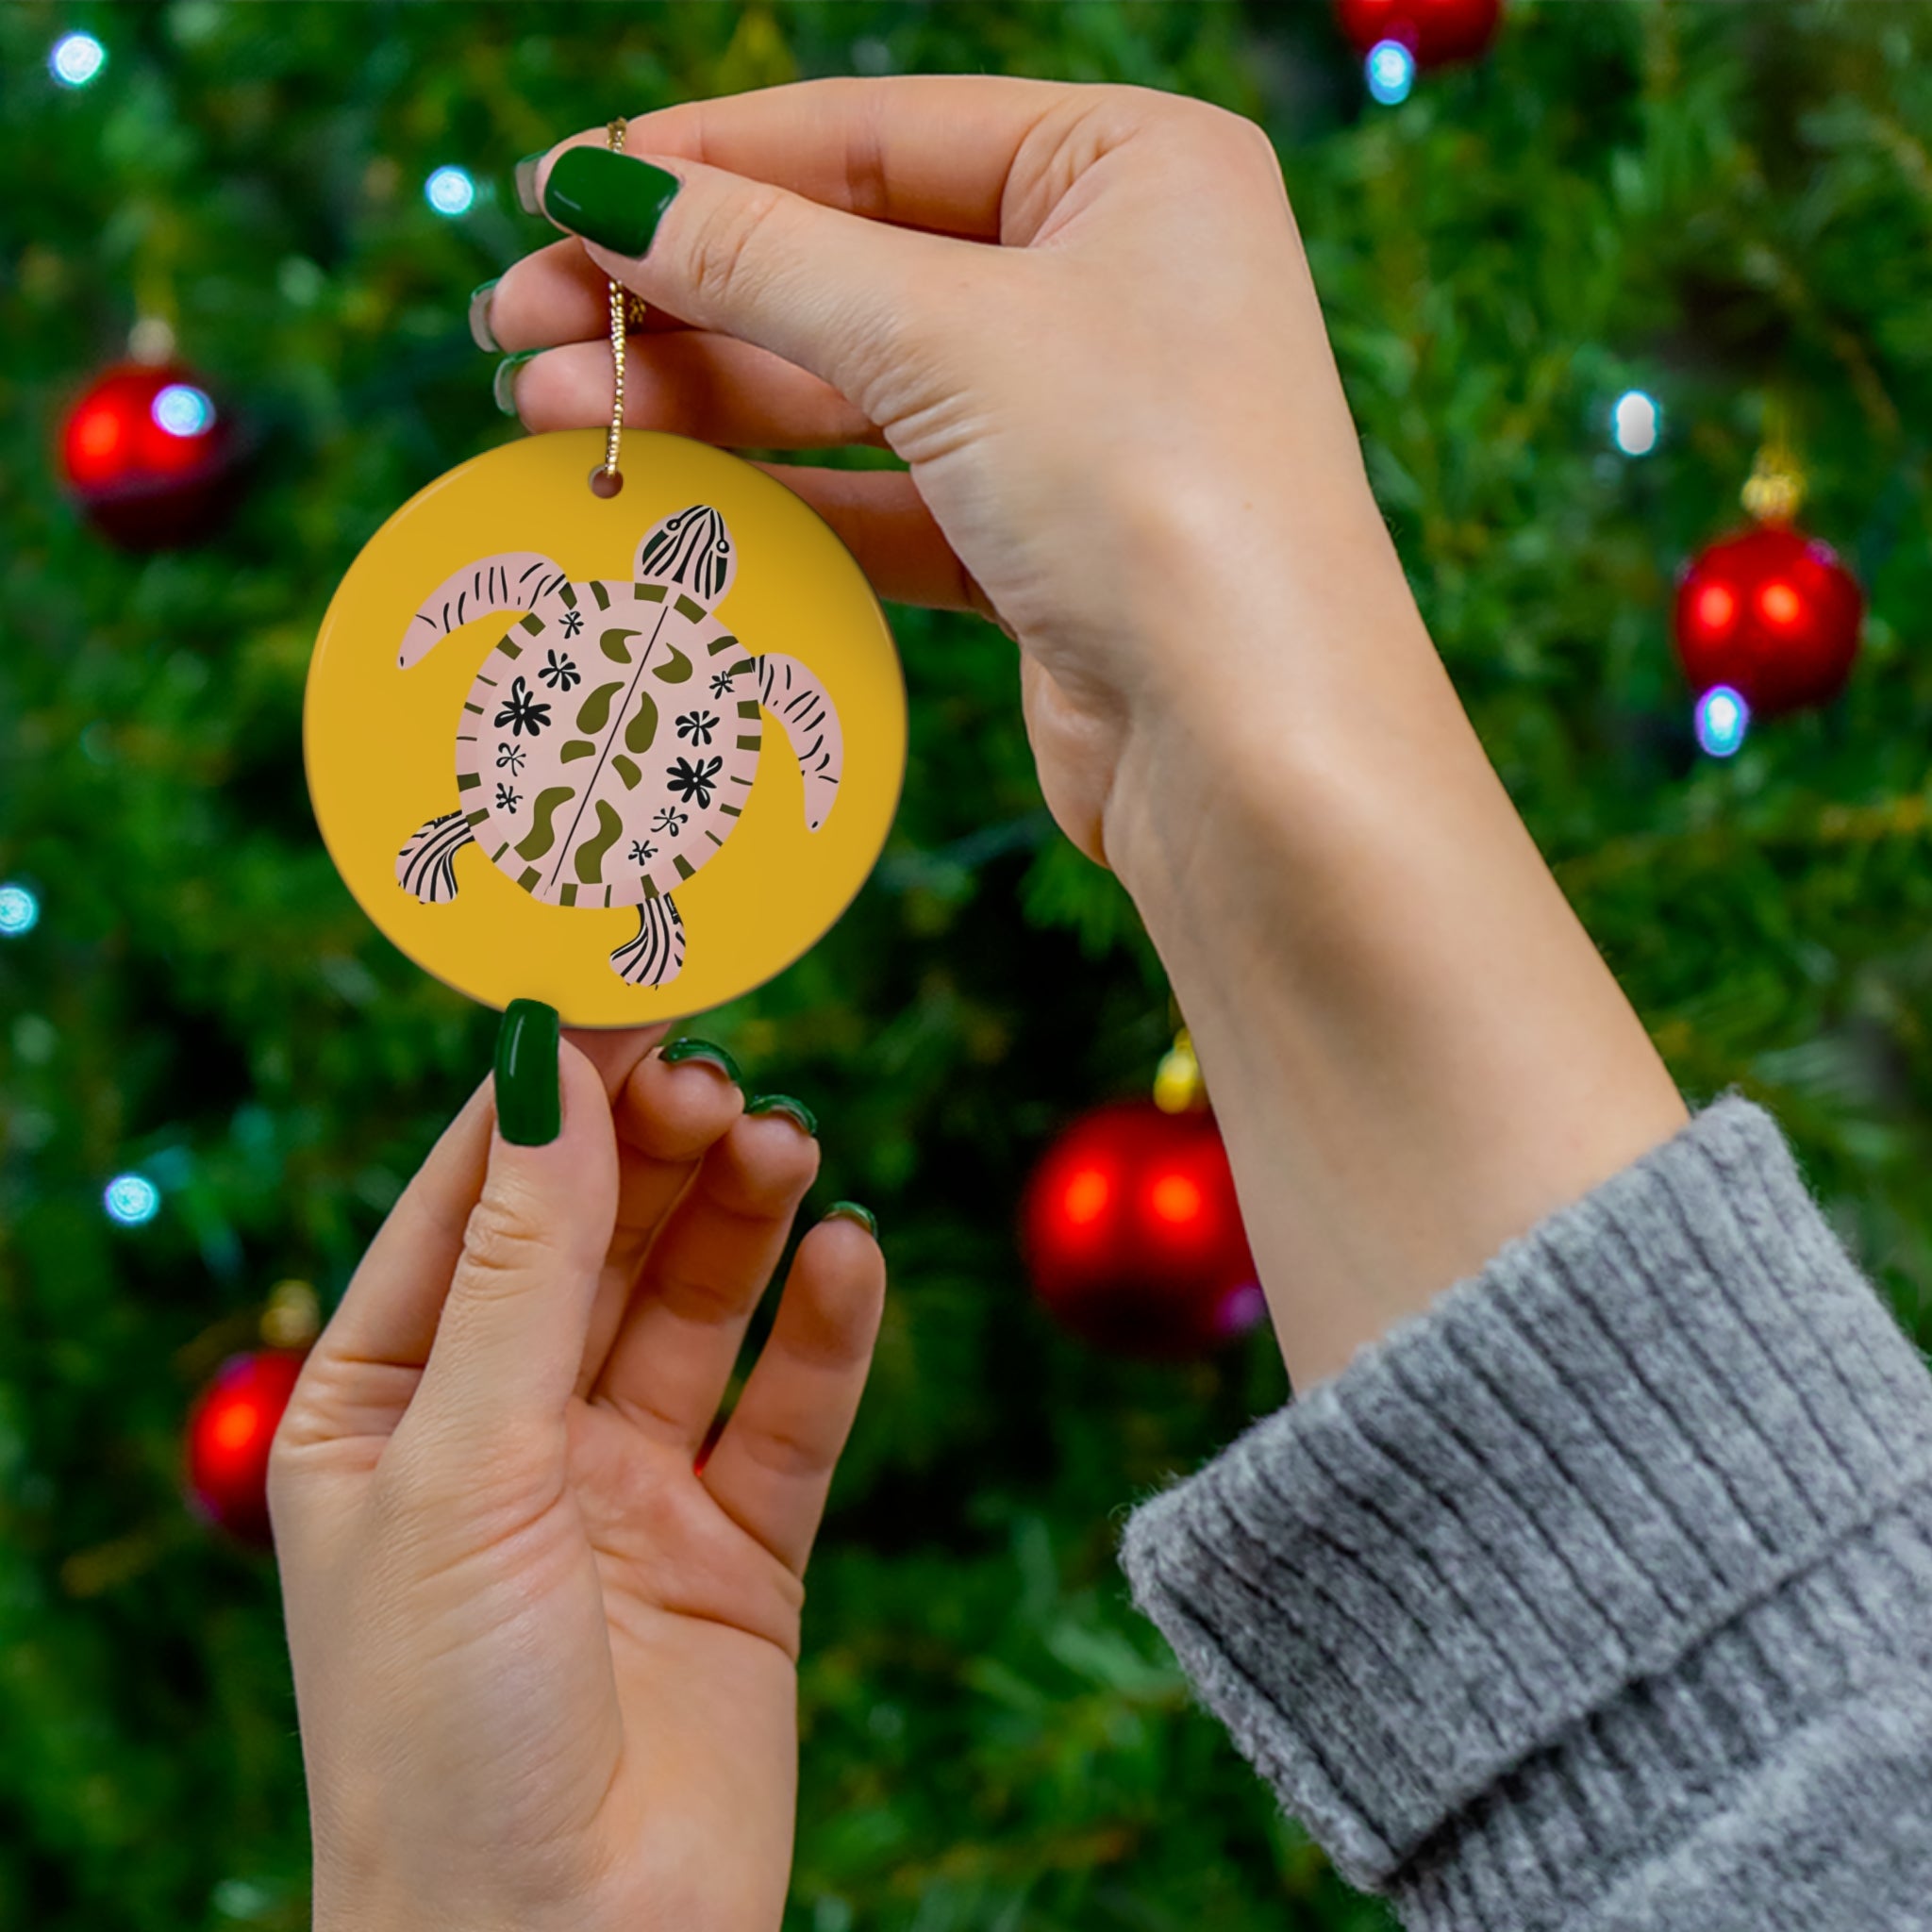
(655, 957)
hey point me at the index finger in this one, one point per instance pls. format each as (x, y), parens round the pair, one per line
(931, 151)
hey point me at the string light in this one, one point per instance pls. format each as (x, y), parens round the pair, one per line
(77, 60)
(450, 192)
(182, 410)
(1636, 423)
(132, 1199)
(1722, 719)
(20, 911)
(1391, 71)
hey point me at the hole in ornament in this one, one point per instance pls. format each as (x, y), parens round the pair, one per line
(606, 482)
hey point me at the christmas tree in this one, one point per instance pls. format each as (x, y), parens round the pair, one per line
(1721, 212)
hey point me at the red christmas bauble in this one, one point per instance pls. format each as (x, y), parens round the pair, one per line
(229, 1431)
(1133, 1236)
(1773, 614)
(1435, 32)
(149, 456)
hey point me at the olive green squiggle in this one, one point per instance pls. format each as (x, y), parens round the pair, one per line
(590, 861)
(542, 835)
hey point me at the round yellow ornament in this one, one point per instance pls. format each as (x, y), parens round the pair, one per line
(629, 754)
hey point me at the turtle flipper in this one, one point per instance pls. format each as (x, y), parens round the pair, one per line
(425, 864)
(511, 580)
(799, 702)
(655, 957)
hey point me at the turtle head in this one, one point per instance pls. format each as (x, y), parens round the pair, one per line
(692, 550)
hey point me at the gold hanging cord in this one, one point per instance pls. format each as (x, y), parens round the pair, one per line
(627, 311)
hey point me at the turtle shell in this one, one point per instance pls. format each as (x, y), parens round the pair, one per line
(609, 743)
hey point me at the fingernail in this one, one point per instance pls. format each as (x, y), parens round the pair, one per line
(688, 1049)
(525, 178)
(795, 1110)
(480, 331)
(529, 1101)
(503, 385)
(608, 198)
(851, 1210)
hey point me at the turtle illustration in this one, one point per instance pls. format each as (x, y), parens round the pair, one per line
(611, 737)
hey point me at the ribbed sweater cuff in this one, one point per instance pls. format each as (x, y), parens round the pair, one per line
(1530, 1544)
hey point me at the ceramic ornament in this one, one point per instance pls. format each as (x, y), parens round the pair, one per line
(629, 754)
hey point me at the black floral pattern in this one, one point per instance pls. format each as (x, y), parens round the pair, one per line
(697, 726)
(692, 782)
(642, 854)
(720, 683)
(510, 755)
(507, 800)
(522, 712)
(573, 623)
(669, 820)
(559, 673)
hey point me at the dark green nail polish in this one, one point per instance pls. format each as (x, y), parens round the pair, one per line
(480, 331)
(795, 1110)
(503, 385)
(608, 198)
(851, 1210)
(524, 176)
(529, 1101)
(688, 1049)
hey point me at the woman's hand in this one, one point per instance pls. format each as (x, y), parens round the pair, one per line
(544, 1667)
(1121, 410)
(1083, 317)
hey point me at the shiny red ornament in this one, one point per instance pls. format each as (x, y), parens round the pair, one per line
(1773, 614)
(1435, 32)
(229, 1431)
(1133, 1236)
(150, 457)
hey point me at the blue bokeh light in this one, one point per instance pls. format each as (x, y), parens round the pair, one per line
(20, 911)
(77, 60)
(1722, 719)
(1636, 423)
(182, 410)
(1391, 71)
(450, 192)
(131, 1199)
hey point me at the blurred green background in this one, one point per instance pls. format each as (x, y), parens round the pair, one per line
(1721, 205)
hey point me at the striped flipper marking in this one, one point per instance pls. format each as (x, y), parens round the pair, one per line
(799, 702)
(511, 580)
(655, 957)
(426, 865)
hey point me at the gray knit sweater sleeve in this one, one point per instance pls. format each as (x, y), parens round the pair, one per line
(1600, 1596)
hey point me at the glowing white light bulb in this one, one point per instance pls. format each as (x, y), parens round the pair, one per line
(20, 911)
(77, 60)
(132, 1199)
(450, 192)
(182, 410)
(1722, 719)
(1636, 423)
(1391, 71)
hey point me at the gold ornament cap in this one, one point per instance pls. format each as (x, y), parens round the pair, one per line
(1178, 1084)
(293, 1318)
(1775, 492)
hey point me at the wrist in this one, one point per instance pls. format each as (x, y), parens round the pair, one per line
(1414, 1050)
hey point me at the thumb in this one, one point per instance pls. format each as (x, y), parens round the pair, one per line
(832, 292)
(511, 1340)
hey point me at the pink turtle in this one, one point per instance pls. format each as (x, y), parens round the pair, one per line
(611, 737)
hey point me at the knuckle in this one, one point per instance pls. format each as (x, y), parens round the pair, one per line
(501, 1250)
(724, 254)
